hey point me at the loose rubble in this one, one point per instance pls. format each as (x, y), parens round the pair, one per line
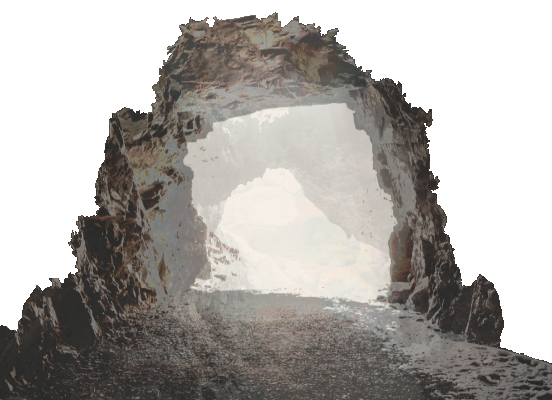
(239, 345)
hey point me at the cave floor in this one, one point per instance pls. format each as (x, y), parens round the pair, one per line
(240, 345)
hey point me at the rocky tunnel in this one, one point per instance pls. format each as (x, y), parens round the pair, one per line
(293, 67)
(147, 242)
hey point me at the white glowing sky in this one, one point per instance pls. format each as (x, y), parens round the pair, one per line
(289, 243)
(286, 243)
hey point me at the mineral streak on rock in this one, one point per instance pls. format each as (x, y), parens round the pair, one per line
(147, 241)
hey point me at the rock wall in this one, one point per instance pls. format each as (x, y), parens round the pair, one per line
(247, 64)
(147, 242)
(70, 317)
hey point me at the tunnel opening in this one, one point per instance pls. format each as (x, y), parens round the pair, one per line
(292, 204)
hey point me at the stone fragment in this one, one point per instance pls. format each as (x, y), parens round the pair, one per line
(485, 321)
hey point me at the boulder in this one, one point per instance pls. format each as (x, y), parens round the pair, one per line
(485, 321)
(418, 300)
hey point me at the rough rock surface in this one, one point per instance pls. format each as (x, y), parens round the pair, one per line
(147, 242)
(244, 65)
(71, 317)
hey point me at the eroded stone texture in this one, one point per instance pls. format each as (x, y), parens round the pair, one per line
(485, 320)
(8, 357)
(147, 241)
(68, 318)
(245, 65)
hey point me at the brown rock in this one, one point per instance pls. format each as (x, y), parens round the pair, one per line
(485, 323)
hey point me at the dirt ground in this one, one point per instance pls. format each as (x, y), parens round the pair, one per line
(240, 345)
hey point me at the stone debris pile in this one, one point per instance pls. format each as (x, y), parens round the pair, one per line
(215, 246)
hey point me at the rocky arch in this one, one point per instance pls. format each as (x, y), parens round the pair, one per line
(245, 65)
(328, 157)
(141, 246)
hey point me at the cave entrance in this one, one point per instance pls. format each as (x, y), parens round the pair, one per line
(292, 204)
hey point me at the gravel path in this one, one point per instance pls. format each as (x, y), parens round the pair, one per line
(239, 345)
